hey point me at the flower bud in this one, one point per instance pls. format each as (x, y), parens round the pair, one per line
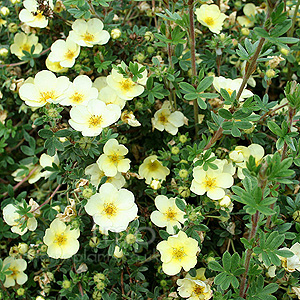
(3, 52)
(296, 216)
(31, 254)
(12, 27)
(4, 11)
(130, 238)
(118, 253)
(44, 248)
(270, 73)
(66, 284)
(175, 150)
(150, 49)
(184, 191)
(99, 276)
(245, 31)
(87, 193)
(163, 283)
(115, 33)
(94, 241)
(183, 173)
(149, 36)
(155, 184)
(100, 286)
(53, 113)
(20, 291)
(225, 201)
(23, 248)
(97, 295)
(182, 139)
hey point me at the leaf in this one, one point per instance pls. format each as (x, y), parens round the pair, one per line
(204, 84)
(226, 260)
(180, 204)
(224, 113)
(188, 88)
(45, 133)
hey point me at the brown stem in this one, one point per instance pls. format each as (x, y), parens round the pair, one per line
(49, 199)
(271, 111)
(21, 182)
(254, 221)
(193, 60)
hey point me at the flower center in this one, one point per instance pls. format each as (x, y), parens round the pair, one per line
(15, 272)
(110, 209)
(70, 54)
(26, 47)
(45, 96)
(178, 253)
(209, 182)
(163, 119)
(76, 97)
(229, 91)
(87, 37)
(209, 21)
(170, 214)
(153, 166)
(60, 239)
(95, 121)
(115, 158)
(198, 290)
(127, 84)
(39, 15)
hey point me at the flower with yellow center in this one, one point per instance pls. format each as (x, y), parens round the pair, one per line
(194, 288)
(165, 119)
(31, 16)
(20, 224)
(212, 182)
(80, 92)
(97, 174)
(152, 168)
(24, 42)
(61, 240)
(91, 119)
(249, 18)
(112, 209)
(168, 214)
(231, 85)
(55, 66)
(113, 161)
(291, 264)
(129, 118)
(89, 33)
(47, 161)
(126, 88)
(64, 52)
(178, 251)
(44, 88)
(34, 177)
(17, 267)
(211, 17)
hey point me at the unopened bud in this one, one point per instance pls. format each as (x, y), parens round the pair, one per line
(115, 33)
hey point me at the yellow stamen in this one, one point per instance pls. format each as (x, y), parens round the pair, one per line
(170, 214)
(178, 253)
(88, 37)
(70, 54)
(60, 239)
(127, 84)
(110, 209)
(76, 97)
(153, 166)
(95, 121)
(209, 21)
(45, 96)
(198, 290)
(230, 91)
(209, 182)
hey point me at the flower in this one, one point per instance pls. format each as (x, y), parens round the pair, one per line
(44, 88)
(34, 177)
(240, 155)
(89, 33)
(213, 182)
(211, 17)
(17, 267)
(47, 161)
(126, 88)
(91, 119)
(64, 52)
(24, 42)
(250, 12)
(152, 168)
(55, 66)
(20, 224)
(178, 251)
(194, 288)
(69, 212)
(165, 119)
(106, 93)
(291, 264)
(32, 16)
(168, 214)
(118, 253)
(113, 161)
(80, 92)
(231, 85)
(61, 240)
(129, 118)
(112, 209)
(115, 33)
(96, 174)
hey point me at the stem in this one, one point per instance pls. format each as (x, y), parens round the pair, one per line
(193, 60)
(291, 31)
(254, 220)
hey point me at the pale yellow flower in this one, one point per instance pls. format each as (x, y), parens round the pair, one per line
(211, 17)
(113, 161)
(212, 182)
(24, 42)
(178, 251)
(129, 118)
(91, 119)
(152, 168)
(61, 240)
(97, 174)
(126, 88)
(168, 214)
(34, 177)
(20, 224)
(17, 267)
(194, 288)
(112, 209)
(65, 52)
(44, 88)
(231, 85)
(33, 17)
(80, 92)
(165, 119)
(250, 12)
(47, 161)
(118, 253)
(55, 66)
(89, 33)
(291, 264)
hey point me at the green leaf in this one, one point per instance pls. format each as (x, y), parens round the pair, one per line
(45, 133)
(205, 84)
(275, 128)
(180, 204)
(201, 103)
(188, 88)
(226, 260)
(215, 266)
(224, 113)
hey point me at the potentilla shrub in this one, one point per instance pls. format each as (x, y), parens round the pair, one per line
(149, 150)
